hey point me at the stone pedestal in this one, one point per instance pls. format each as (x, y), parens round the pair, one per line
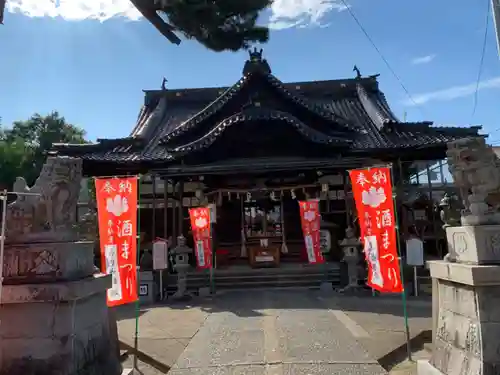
(466, 304)
(351, 246)
(54, 318)
(474, 244)
(147, 288)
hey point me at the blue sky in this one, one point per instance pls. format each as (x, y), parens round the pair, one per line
(92, 61)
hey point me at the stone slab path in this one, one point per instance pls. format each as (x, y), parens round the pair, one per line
(273, 333)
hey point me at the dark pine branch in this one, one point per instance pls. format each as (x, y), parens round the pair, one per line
(217, 24)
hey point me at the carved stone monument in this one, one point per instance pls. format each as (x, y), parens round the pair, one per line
(181, 256)
(466, 285)
(54, 318)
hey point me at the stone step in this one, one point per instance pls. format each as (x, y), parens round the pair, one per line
(296, 269)
(306, 277)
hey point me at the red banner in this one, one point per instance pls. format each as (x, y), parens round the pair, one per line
(117, 213)
(200, 225)
(311, 221)
(372, 190)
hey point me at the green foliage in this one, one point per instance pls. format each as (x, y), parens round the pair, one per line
(14, 158)
(219, 24)
(24, 146)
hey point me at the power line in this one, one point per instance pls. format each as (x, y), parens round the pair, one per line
(481, 61)
(381, 55)
(495, 5)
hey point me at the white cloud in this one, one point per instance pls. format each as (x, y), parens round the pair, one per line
(291, 13)
(284, 13)
(423, 59)
(453, 92)
(75, 10)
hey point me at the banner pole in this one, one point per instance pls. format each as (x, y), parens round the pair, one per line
(138, 247)
(403, 293)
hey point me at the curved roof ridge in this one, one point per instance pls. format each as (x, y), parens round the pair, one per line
(140, 119)
(237, 87)
(206, 111)
(251, 115)
(308, 104)
(378, 119)
(384, 105)
(152, 120)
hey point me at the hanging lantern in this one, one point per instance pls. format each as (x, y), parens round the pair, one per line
(249, 196)
(292, 193)
(324, 188)
(238, 196)
(229, 196)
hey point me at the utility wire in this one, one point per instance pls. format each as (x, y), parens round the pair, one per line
(481, 61)
(348, 8)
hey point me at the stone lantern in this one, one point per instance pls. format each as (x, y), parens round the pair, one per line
(350, 246)
(181, 257)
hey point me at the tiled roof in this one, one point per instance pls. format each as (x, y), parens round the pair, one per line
(350, 113)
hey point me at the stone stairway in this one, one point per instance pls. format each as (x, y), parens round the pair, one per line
(243, 277)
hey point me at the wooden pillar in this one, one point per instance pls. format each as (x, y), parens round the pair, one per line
(174, 214)
(348, 201)
(153, 220)
(401, 190)
(181, 207)
(165, 209)
(433, 216)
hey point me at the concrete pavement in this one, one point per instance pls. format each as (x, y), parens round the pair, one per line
(382, 321)
(270, 332)
(273, 332)
(164, 333)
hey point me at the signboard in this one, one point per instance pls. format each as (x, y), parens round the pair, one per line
(311, 219)
(117, 215)
(143, 290)
(414, 252)
(200, 225)
(325, 239)
(160, 255)
(372, 190)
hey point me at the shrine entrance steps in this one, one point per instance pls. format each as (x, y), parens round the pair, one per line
(242, 277)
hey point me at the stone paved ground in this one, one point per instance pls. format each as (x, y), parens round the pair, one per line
(382, 321)
(164, 333)
(272, 332)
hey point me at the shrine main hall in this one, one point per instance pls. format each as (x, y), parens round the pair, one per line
(257, 147)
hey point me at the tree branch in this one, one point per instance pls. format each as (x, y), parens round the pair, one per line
(163, 27)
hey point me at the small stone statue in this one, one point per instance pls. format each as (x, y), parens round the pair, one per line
(350, 246)
(449, 211)
(181, 255)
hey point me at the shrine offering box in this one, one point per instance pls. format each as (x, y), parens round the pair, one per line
(264, 253)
